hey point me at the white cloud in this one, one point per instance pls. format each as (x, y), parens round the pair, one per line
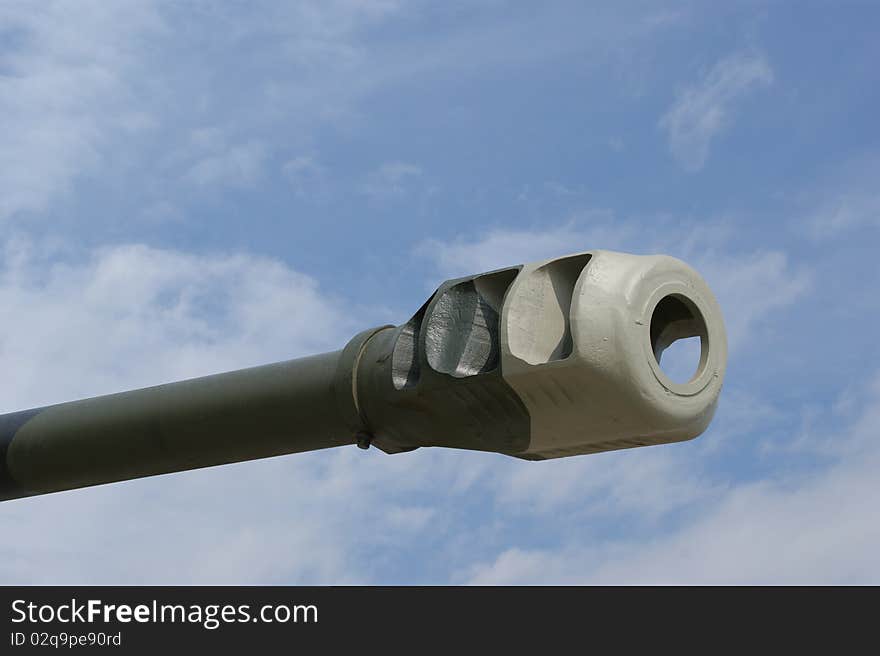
(306, 175)
(134, 315)
(162, 212)
(66, 93)
(703, 111)
(503, 247)
(111, 93)
(104, 91)
(240, 165)
(844, 200)
(391, 180)
(750, 286)
(795, 528)
(846, 212)
(617, 484)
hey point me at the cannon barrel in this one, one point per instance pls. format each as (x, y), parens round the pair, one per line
(538, 361)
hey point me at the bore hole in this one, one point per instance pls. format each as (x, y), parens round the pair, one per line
(678, 338)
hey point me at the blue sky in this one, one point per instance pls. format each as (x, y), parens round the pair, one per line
(188, 188)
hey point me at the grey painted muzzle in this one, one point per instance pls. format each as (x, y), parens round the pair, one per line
(551, 359)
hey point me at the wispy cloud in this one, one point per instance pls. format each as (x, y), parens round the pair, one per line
(502, 247)
(794, 527)
(391, 180)
(100, 89)
(704, 110)
(847, 200)
(67, 94)
(306, 175)
(241, 165)
(847, 212)
(135, 315)
(90, 91)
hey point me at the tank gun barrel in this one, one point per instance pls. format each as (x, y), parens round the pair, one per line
(538, 361)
